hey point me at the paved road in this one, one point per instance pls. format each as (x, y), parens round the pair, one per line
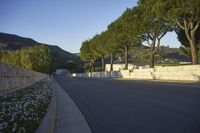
(112, 106)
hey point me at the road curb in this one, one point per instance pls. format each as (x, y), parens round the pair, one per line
(48, 122)
(69, 117)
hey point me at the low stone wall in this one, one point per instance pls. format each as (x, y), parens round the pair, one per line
(12, 79)
(118, 67)
(186, 72)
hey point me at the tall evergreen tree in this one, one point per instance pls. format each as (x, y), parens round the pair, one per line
(87, 54)
(153, 24)
(125, 32)
(185, 48)
(109, 45)
(186, 14)
(98, 49)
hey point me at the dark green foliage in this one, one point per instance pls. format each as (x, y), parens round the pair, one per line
(56, 61)
(148, 22)
(126, 32)
(59, 56)
(2, 49)
(186, 15)
(183, 39)
(126, 29)
(12, 58)
(185, 48)
(140, 55)
(37, 58)
(86, 67)
(153, 23)
(71, 66)
(87, 54)
(120, 35)
(96, 44)
(165, 55)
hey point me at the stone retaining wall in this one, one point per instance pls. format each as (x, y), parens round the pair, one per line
(186, 72)
(12, 79)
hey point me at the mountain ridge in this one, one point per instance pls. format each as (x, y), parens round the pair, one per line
(15, 42)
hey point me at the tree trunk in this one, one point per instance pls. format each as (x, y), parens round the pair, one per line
(102, 64)
(190, 34)
(126, 57)
(151, 61)
(152, 53)
(193, 48)
(111, 62)
(90, 66)
(193, 53)
(93, 66)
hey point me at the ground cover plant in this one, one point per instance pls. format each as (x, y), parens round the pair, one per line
(23, 110)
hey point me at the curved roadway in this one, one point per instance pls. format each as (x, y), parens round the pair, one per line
(118, 106)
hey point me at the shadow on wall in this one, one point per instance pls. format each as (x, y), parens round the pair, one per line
(120, 75)
(197, 77)
(154, 75)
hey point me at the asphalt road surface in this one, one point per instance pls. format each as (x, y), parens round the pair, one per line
(116, 106)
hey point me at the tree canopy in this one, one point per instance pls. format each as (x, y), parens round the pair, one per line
(148, 22)
(186, 15)
(185, 48)
(37, 58)
(153, 24)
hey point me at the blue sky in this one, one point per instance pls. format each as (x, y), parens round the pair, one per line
(66, 23)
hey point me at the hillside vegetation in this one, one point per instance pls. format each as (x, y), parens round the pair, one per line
(28, 53)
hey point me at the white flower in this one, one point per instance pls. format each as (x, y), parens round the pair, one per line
(14, 127)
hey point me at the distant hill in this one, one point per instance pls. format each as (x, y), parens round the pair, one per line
(164, 55)
(14, 42)
(173, 53)
(178, 56)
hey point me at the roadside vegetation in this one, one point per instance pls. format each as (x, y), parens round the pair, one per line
(148, 23)
(23, 110)
(37, 58)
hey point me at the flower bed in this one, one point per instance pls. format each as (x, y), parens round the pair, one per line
(23, 110)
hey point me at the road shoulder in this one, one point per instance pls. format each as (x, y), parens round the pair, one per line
(69, 117)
